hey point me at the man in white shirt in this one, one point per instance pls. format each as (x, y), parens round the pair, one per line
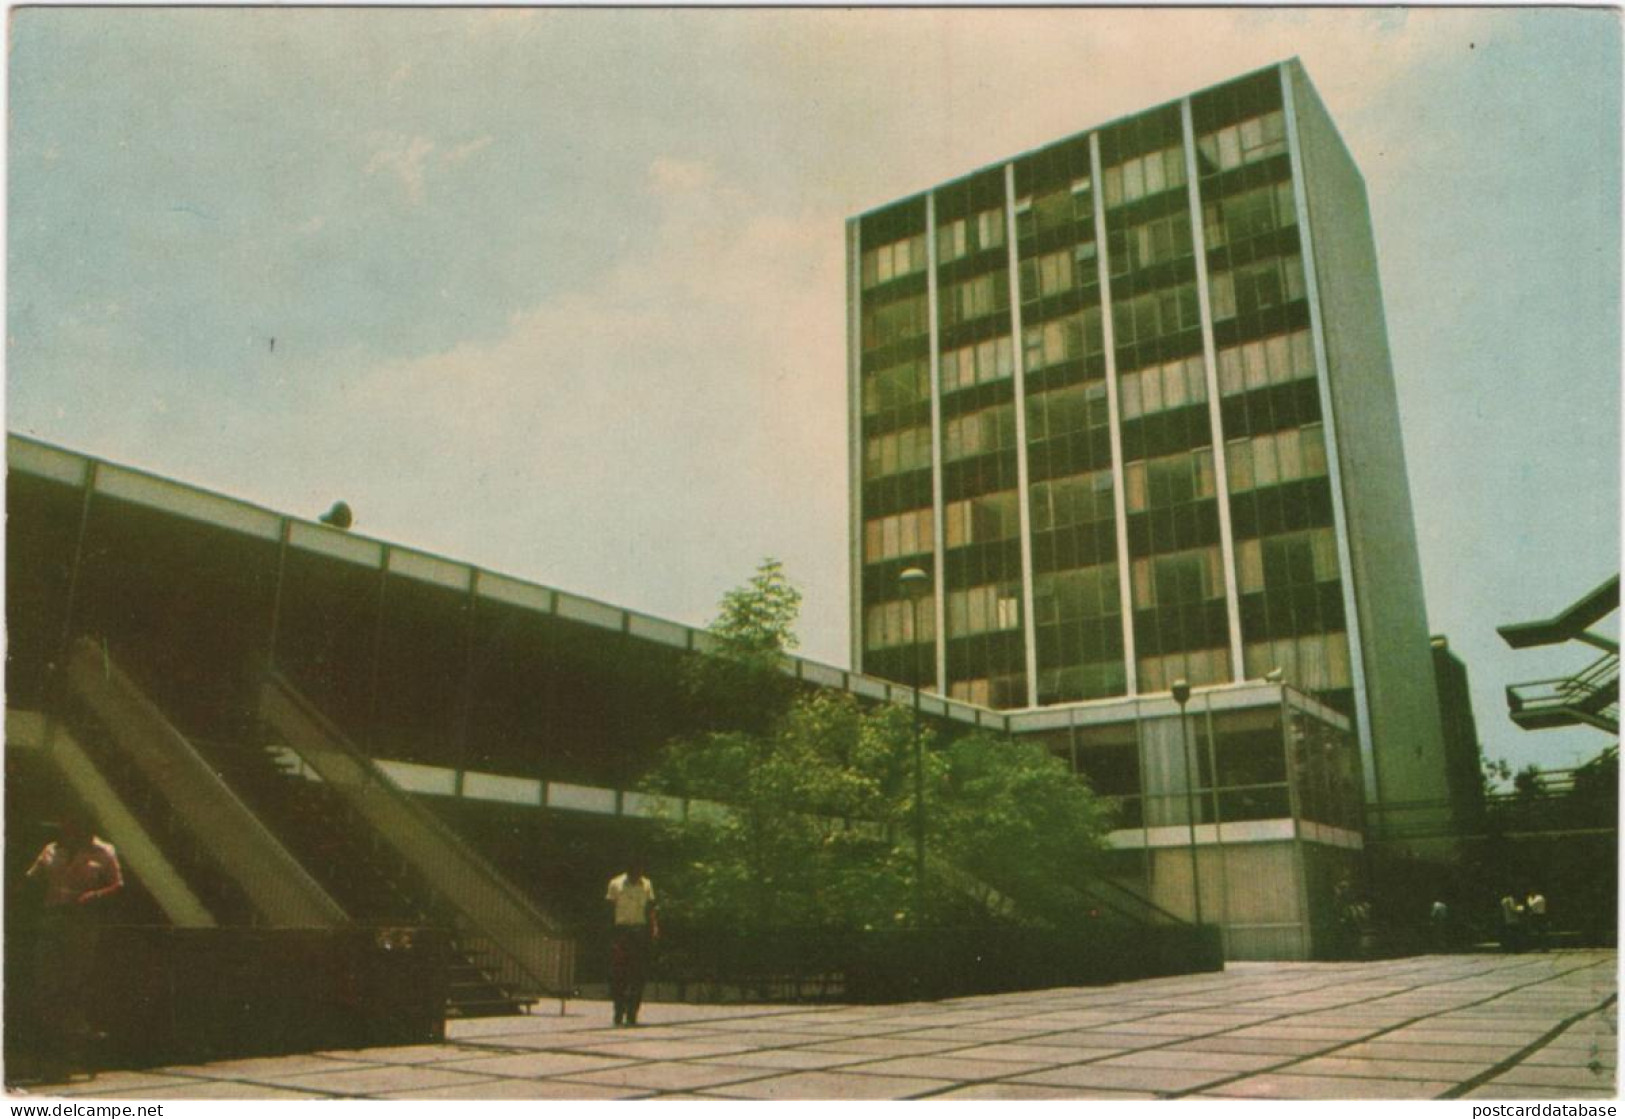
(1535, 906)
(633, 897)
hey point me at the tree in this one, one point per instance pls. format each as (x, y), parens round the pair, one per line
(1528, 784)
(1594, 800)
(741, 682)
(815, 803)
(1494, 772)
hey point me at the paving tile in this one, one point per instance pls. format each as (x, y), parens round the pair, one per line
(1193, 1059)
(882, 1046)
(1394, 1050)
(668, 1077)
(1088, 1016)
(1130, 1079)
(504, 1088)
(1550, 1076)
(1390, 1069)
(1277, 1047)
(1285, 1086)
(968, 1035)
(226, 1090)
(670, 1050)
(835, 1086)
(370, 1081)
(646, 1032)
(111, 1083)
(484, 1027)
(1525, 1092)
(785, 1059)
(844, 1029)
(533, 1065)
(1284, 1031)
(1161, 1027)
(402, 1055)
(1607, 1057)
(1460, 1037)
(1029, 1053)
(1102, 1039)
(770, 1039)
(953, 1066)
(1005, 1090)
(253, 1068)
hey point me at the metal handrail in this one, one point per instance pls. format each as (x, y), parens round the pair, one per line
(1591, 695)
(540, 958)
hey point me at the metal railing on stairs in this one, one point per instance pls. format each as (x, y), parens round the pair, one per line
(513, 941)
(282, 893)
(1590, 696)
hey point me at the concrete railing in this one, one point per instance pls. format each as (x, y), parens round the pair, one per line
(518, 944)
(281, 892)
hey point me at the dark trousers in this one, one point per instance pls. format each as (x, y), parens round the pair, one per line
(628, 969)
(63, 959)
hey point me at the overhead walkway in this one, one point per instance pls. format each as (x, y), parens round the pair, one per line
(1589, 697)
(527, 952)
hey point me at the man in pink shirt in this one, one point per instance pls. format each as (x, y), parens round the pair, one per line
(79, 872)
(78, 869)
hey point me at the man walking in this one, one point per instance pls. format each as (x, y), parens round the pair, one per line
(632, 896)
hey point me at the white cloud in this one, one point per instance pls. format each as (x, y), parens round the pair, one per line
(631, 427)
(463, 152)
(679, 176)
(404, 159)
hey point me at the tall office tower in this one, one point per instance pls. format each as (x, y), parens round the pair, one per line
(1127, 401)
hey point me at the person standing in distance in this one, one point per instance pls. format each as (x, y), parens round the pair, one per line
(632, 897)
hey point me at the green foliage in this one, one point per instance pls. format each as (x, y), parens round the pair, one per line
(757, 621)
(1528, 783)
(804, 838)
(818, 824)
(1014, 816)
(742, 683)
(1595, 796)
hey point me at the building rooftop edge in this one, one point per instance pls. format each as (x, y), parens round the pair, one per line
(1293, 60)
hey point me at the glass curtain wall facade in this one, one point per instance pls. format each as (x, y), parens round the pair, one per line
(1267, 782)
(1087, 394)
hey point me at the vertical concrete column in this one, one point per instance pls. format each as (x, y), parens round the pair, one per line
(939, 595)
(1029, 631)
(854, 431)
(1125, 588)
(1334, 457)
(1221, 478)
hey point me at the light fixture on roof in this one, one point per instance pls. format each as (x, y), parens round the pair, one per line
(339, 516)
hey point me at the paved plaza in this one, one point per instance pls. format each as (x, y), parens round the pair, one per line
(1530, 1027)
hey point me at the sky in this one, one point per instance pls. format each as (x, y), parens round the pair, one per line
(561, 292)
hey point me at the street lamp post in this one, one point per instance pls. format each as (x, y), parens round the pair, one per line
(1182, 696)
(915, 583)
